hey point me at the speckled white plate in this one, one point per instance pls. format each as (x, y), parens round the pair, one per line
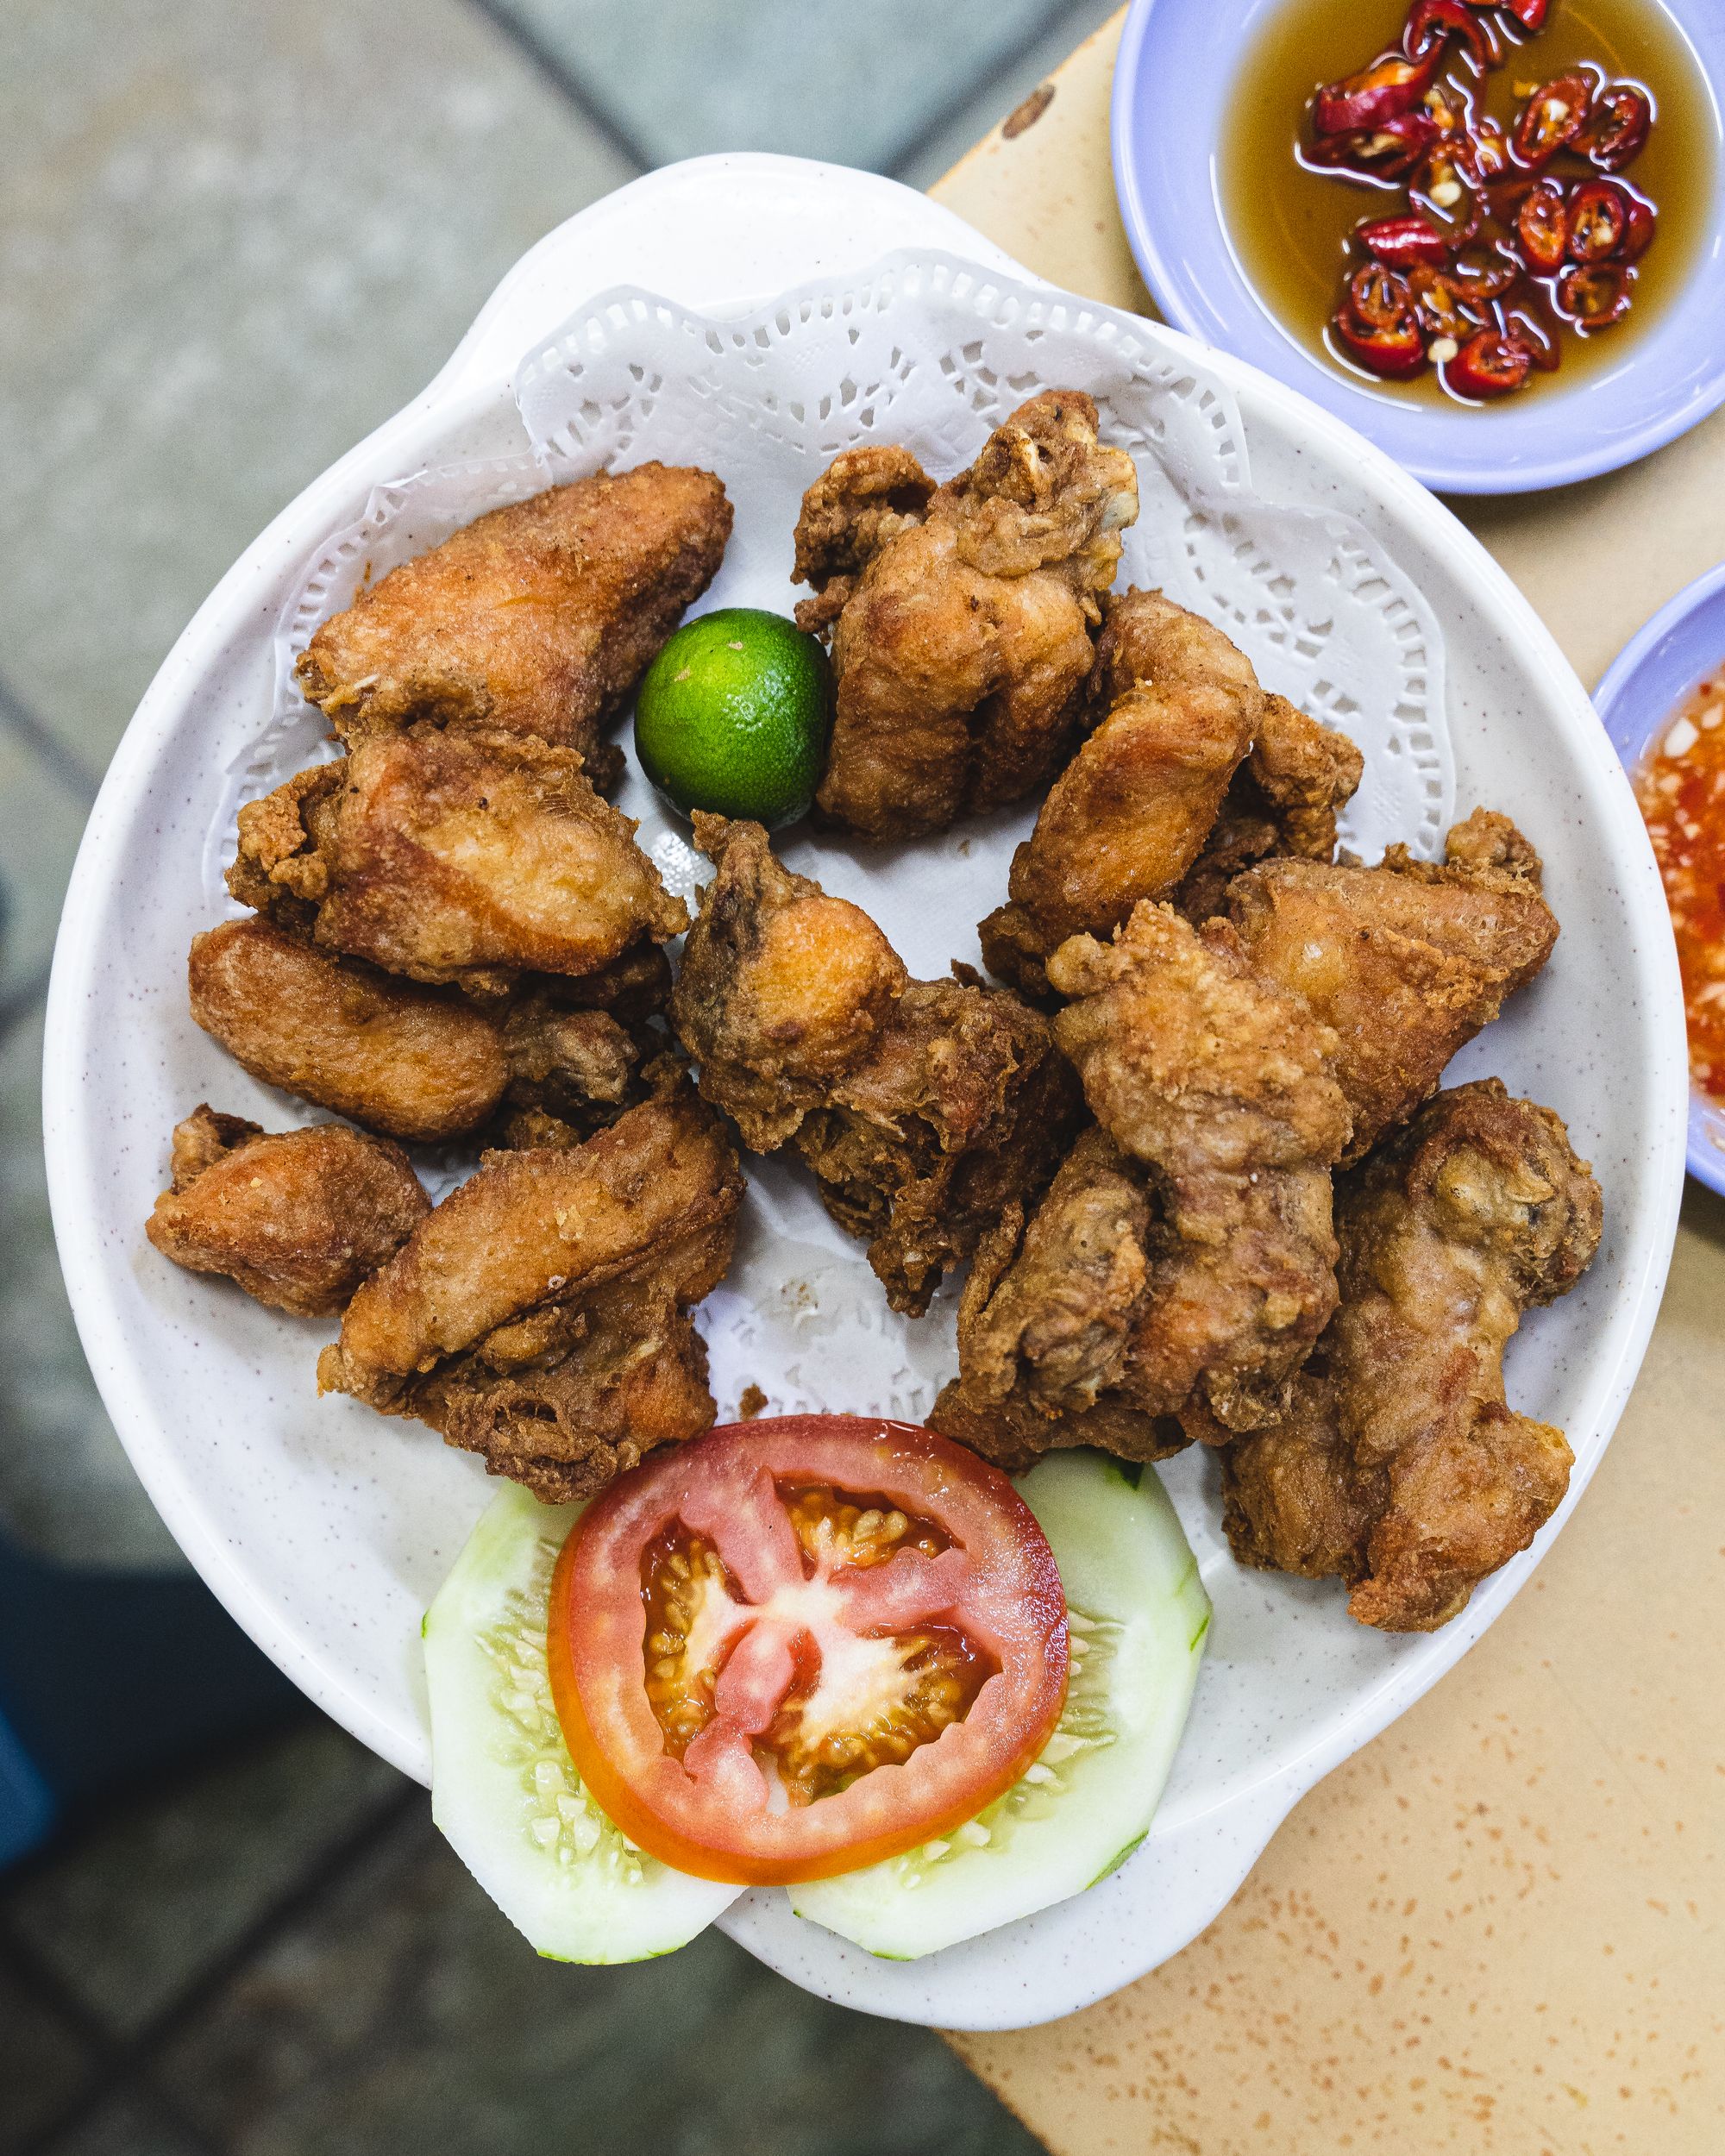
(326, 1530)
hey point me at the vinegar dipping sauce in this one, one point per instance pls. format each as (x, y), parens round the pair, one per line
(1681, 787)
(1293, 228)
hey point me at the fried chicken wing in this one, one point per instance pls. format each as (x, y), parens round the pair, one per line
(539, 1316)
(1402, 1470)
(454, 856)
(539, 618)
(298, 1219)
(416, 1064)
(1407, 962)
(1128, 817)
(923, 1107)
(1222, 1085)
(1282, 803)
(961, 617)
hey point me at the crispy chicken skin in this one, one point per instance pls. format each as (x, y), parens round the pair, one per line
(1048, 1319)
(419, 1064)
(1222, 1085)
(1124, 821)
(923, 1107)
(539, 1316)
(782, 989)
(962, 1108)
(416, 1064)
(538, 618)
(298, 1219)
(1401, 1469)
(865, 497)
(465, 855)
(1406, 961)
(1282, 803)
(961, 617)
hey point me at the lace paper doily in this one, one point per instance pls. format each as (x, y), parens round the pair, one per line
(929, 350)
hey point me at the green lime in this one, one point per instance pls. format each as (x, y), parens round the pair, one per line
(732, 716)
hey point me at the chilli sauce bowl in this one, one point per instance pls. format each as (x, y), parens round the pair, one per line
(1168, 165)
(1642, 688)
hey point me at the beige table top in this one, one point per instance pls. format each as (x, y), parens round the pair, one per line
(1496, 1928)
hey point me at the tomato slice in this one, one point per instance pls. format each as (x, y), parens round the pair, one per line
(797, 1646)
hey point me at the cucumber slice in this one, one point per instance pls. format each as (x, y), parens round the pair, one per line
(1139, 1614)
(504, 1788)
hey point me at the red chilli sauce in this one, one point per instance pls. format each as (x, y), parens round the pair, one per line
(1681, 787)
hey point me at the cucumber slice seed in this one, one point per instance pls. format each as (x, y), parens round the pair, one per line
(505, 1791)
(1138, 1615)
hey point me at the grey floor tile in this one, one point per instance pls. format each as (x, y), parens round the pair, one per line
(131, 1912)
(406, 2012)
(42, 820)
(938, 152)
(43, 2063)
(857, 82)
(234, 235)
(130, 2125)
(66, 1489)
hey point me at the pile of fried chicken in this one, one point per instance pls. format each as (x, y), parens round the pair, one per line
(1196, 1152)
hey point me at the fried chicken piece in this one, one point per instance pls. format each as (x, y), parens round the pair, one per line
(1222, 1085)
(539, 1316)
(1048, 1318)
(632, 989)
(1282, 803)
(865, 497)
(416, 1064)
(1401, 1469)
(1407, 962)
(464, 856)
(539, 618)
(962, 1108)
(923, 1107)
(298, 1219)
(782, 989)
(961, 618)
(1128, 817)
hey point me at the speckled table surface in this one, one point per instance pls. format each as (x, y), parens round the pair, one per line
(1495, 1929)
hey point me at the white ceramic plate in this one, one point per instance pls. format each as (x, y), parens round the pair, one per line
(325, 1530)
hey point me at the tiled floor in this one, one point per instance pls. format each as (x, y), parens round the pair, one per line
(234, 234)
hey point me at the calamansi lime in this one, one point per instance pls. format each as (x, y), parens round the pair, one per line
(732, 715)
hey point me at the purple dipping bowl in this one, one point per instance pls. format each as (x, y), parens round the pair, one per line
(1173, 82)
(1645, 683)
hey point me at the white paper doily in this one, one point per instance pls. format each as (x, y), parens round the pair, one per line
(927, 350)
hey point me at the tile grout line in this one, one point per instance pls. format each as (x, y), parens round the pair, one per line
(68, 769)
(563, 79)
(931, 131)
(125, 2062)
